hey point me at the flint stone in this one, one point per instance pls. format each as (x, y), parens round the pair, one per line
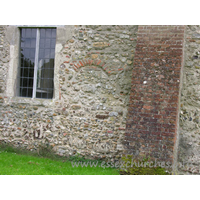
(111, 114)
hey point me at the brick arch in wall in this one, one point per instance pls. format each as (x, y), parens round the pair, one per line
(95, 63)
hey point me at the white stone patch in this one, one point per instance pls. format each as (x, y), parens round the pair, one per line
(89, 88)
(113, 114)
(58, 48)
(115, 60)
(124, 36)
(98, 85)
(145, 82)
(108, 87)
(123, 59)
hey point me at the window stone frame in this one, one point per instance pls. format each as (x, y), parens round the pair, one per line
(63, 33)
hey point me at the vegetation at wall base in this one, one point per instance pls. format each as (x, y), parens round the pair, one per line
(140, 167)
(16, 161)
(44, 151)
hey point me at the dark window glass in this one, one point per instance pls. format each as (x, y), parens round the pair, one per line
(48, 43)
(45, 70)
(53, 35)
(28, 33)
(45, 73)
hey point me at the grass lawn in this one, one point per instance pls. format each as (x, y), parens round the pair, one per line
(12, 163)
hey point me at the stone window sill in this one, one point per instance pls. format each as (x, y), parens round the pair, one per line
(31, 101)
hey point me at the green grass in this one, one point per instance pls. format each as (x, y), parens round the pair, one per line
(12, 163)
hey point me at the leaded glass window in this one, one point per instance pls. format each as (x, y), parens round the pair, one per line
(37, 62)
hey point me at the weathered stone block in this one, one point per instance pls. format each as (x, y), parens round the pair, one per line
(76, 107)
(100, 44)
(102, 116)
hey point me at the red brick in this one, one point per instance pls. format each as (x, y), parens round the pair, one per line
(98, 62)
(153, 107)
(81, 63)
(147, 107)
